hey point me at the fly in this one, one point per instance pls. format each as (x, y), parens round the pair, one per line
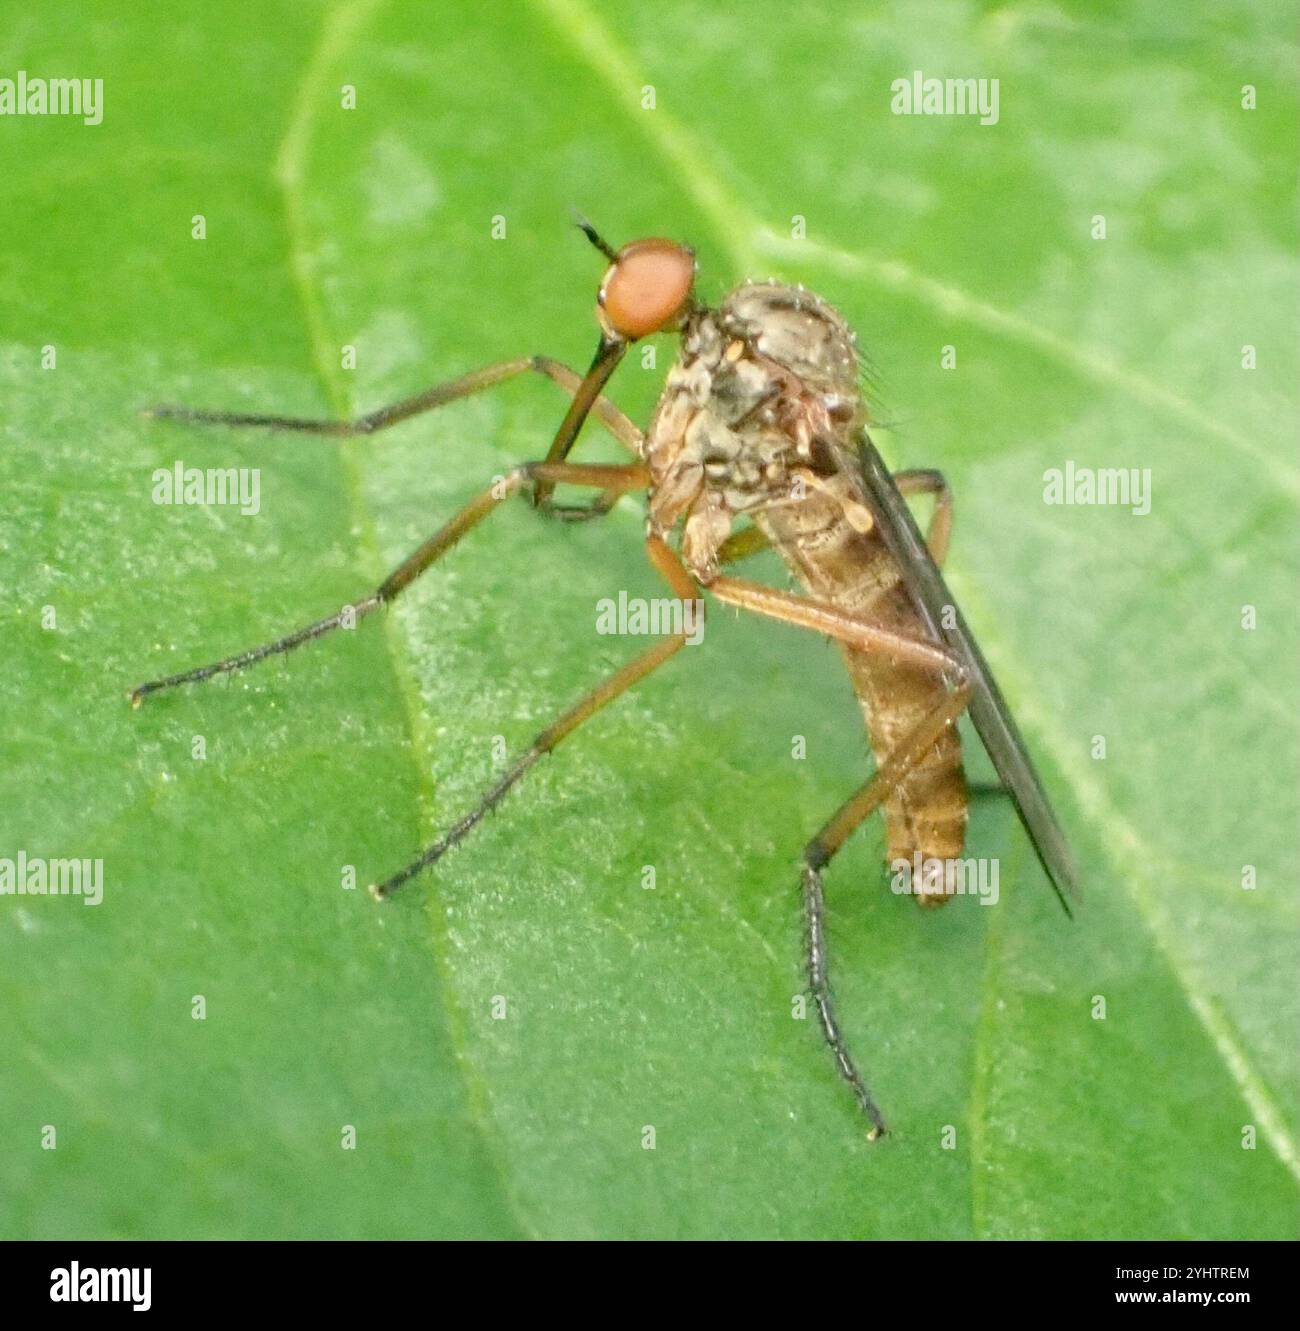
(762, 421)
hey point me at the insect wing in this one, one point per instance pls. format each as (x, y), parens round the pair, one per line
(988, 708)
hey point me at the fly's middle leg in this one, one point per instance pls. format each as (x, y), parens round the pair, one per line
(674, 573)
(619, 479)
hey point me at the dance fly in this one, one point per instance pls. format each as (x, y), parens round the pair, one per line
(758, 441)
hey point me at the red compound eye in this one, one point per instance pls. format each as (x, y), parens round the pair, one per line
(647, 287)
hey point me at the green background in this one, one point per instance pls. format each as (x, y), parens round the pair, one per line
(627, 1007)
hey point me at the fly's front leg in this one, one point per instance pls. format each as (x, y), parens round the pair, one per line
(617, 478)
(439, 395)
(673, 572)
(489, 376)
(868, 637)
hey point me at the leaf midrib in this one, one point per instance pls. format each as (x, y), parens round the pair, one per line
(340, 28)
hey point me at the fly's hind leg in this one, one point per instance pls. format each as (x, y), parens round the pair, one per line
(926, 482)
(818, 853)
(868, 637)
(930, 481)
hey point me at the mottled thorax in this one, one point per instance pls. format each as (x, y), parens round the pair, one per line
(762, 396)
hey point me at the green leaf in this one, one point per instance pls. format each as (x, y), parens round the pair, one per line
(371, 227)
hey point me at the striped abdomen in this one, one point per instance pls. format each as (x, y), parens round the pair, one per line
(926, 815)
